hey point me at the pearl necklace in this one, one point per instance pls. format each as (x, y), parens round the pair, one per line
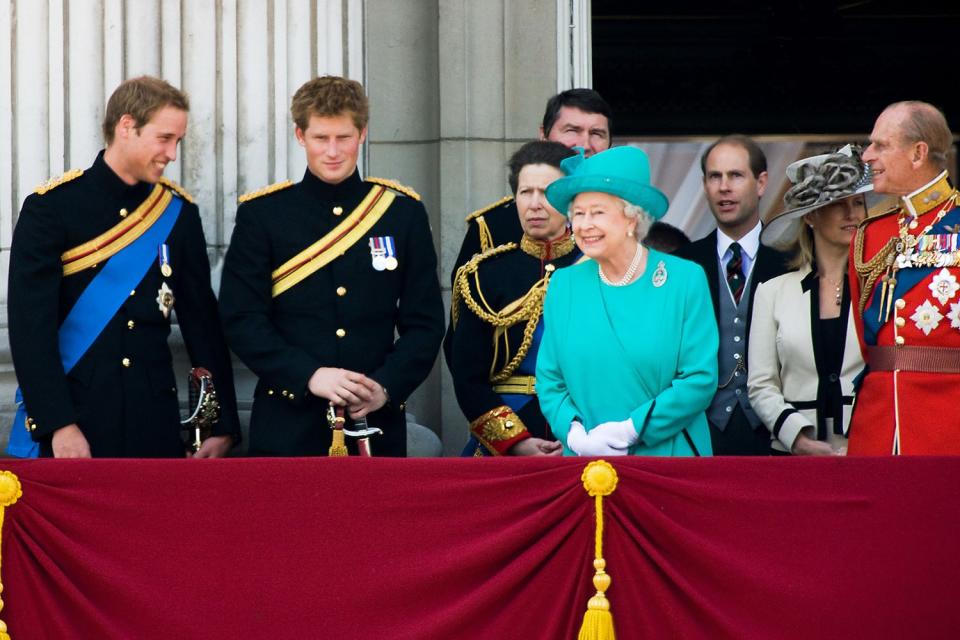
(631, 270)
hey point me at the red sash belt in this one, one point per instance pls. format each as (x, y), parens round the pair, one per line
(913, 358)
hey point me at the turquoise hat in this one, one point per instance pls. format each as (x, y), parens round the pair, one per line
(620, 171)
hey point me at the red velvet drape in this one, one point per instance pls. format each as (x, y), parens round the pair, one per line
(492, 549)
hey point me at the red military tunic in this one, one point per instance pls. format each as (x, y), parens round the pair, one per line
(909, 329)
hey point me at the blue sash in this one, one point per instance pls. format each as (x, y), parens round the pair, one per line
(98, 303)
(907, 279)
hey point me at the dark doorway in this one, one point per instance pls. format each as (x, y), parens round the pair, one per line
(808, 68)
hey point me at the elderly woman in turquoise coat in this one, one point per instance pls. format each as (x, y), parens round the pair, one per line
(628, 362)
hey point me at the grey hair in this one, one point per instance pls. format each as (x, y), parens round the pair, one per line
(643, 220)
(925, 123)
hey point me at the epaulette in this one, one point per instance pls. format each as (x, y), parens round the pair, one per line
(479, 212)
(53, 183)
(396, 186)
(272, 188)
(173, 186)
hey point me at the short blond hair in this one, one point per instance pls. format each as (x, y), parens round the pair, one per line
(140, 98)
(328, 96)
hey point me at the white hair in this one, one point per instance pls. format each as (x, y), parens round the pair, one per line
(642, 219)
(640, 215)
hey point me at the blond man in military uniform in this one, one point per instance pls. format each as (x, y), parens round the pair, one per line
(100, 259)
(321, 277)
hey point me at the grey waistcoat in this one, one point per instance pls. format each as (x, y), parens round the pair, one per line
(733, 345)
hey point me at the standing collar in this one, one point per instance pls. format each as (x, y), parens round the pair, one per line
(929, 196)
(750, 243)
(111, 184)
(342, 191)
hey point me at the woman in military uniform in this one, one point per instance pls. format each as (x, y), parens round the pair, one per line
(497, 307)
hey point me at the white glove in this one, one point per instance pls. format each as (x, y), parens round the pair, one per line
(617, 435)
(584, 444)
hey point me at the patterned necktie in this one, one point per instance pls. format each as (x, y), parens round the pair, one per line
(735, 278)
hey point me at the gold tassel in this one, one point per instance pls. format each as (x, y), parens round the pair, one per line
(599, 479)
(338, 447)
(10, 492)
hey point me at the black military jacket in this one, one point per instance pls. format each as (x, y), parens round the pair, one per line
(123, 392)
(502, 222)
(346, 314)
(504, 277)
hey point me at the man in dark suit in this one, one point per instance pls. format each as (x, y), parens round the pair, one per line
(99, 260)
(734, 179)
(320, 278)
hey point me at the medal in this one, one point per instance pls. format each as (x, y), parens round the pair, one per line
(660, 275)
(165, 299)
(378, 257)
(164, 258)
(391, 253)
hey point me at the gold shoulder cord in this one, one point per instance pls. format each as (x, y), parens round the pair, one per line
(527, 308)
(873, 269)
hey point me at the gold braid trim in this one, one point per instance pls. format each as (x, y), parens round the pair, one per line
(870, 271)
(461, 288)
(173, 186)
(276, 186)
(396, 186)
(482, 210)
(497, 425)
(528, 307)
(53, 183)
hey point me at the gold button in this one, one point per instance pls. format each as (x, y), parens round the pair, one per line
(901, 303)
(900, 322)
(900, 340)
(341, 333)
(338, 211)
(284, 393)
(134, 292)
(508, 424)
(131, 324)
(549, 268)
(123, 213)
(341, 291)
(269, 392)
(31, 425)
(125, 362)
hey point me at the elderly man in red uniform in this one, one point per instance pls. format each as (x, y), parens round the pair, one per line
(903, 271)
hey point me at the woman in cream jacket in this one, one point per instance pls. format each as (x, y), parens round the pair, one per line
(804, 358)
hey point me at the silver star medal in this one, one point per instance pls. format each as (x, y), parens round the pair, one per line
(165, 299)
(660, 275)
